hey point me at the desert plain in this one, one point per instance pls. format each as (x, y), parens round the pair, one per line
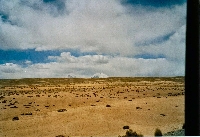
(49, 107)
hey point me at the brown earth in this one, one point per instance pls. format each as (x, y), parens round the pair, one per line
(90, 107)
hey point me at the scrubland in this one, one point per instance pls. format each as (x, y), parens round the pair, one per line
(90, 107)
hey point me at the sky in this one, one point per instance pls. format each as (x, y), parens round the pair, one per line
(81, 38)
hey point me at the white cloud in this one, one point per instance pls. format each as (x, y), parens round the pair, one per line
(67, 57)
(28, 62)
(173, 48)
(87, 66)
(10, 70)
(104, 27)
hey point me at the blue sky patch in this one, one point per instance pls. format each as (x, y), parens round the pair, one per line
(157, 40)
(153, 3)
(150, 56)
(5, 18)
(17, 56)
(59, 4)
(20, 56)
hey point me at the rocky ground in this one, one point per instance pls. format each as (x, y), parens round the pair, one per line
(90, 107)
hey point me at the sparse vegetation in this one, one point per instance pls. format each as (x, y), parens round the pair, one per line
(60, 98)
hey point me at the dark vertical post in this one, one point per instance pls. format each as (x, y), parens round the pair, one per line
(192, 70)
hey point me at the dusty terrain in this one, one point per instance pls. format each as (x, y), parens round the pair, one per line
(90, 107)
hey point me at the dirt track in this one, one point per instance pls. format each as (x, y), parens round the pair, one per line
(90, 107)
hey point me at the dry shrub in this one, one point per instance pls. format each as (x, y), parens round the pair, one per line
(125, 127)
(131, 133)
(15, 118)
(158, 132)
(60, 136)
(183, 127)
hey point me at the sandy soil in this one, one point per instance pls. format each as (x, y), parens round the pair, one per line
(90, 107)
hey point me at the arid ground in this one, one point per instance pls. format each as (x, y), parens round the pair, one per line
(90, 107)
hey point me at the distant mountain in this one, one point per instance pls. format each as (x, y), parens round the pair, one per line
(99, 75)
(69, 76)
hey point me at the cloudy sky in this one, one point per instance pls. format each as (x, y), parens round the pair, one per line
(57, 38)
